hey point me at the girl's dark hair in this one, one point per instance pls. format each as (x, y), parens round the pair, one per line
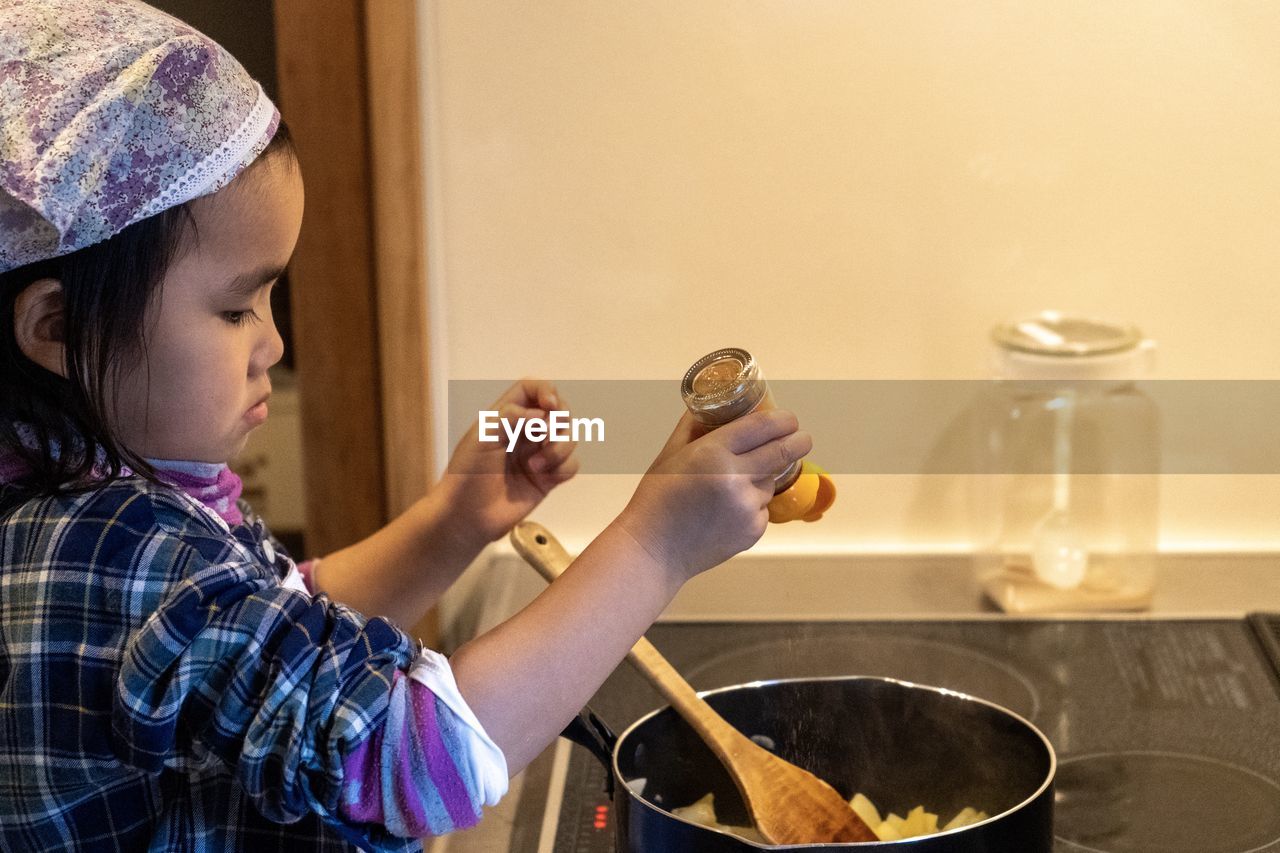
(106, 288)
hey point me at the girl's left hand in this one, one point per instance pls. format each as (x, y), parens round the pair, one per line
(490, 488)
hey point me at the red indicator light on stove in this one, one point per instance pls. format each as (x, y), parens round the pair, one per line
(602, 817)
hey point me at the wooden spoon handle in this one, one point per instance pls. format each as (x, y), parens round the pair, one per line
(789, 805)
(544, 552)
(540, 549)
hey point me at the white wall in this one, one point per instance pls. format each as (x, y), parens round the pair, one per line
(853, 189)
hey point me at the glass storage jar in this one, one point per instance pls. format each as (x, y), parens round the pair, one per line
(1067, 510)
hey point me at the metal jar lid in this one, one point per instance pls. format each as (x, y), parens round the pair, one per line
(1052, 333)
(722, 385)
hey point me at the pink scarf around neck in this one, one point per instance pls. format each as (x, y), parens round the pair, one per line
(213, 484)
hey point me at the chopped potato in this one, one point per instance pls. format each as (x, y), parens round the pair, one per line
(866, 810)
(891, 828)
(965, 817)
(703, 812)
(920, 822)
(917, 822)
(895, 824)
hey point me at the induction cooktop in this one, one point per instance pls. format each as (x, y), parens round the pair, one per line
(1167, 731)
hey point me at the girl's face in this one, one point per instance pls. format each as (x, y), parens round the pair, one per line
(210, 335)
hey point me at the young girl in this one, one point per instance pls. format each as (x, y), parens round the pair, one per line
(169, 679)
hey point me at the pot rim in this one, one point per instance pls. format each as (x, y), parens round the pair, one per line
(869, 845)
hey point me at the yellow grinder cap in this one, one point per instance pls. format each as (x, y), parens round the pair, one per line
(809, 497)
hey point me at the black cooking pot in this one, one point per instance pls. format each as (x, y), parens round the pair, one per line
(900, 744)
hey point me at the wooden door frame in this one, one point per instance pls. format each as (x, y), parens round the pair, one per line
(349, 90)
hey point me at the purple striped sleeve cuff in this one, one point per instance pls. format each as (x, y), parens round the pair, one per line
(427, 770)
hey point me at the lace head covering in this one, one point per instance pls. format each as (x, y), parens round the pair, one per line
(112, 111)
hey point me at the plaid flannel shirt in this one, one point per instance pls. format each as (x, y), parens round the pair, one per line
(161, 690)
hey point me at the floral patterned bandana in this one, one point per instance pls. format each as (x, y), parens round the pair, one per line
(112, 111)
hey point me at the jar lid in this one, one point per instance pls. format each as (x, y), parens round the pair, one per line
(722, 385)
(1054, 346)
(1052, 333)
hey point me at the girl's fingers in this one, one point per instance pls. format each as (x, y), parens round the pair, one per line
(769, 460)
(553, 454)
(547, 478)
(756, 429)
(532, 392)
(563, 471)
(513, 412)
(547, 457)
(687, 430)
(549, 399)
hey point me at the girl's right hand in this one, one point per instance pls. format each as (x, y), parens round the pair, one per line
(702, 501)
(706, 496)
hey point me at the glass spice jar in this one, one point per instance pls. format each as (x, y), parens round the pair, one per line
(725, 385)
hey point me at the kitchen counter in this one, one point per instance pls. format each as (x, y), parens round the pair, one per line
(861, 587)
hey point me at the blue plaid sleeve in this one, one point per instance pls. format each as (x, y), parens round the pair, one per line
(234, 667)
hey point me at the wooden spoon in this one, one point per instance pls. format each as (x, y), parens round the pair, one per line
(788, 804)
